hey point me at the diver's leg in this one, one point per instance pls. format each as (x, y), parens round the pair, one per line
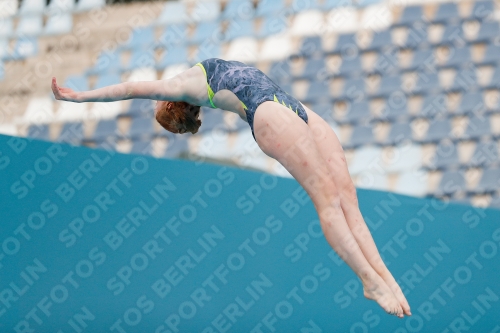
(331, 150)
(287, 138)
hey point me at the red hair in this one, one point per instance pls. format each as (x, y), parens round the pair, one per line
(174, 116)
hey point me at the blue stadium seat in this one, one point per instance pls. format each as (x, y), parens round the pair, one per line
(478, 127)
(177, 145)
(357, 112)
(174, 35)
(280, 71)
(173, 12)
(272, 25)
(140, 59)
(417, 36)
(206, 11)
(206, 50)
(239, 125)
(395, 108)
(423, 60)
(40, 132)
(24, 47)
(311, 46)
(354, 89)
(446, 156)
(32, 7)
(351, 66)
(399, 133)
(361, 135)
(482, 9)
(105, 129)
(71, 133)
(107, 79)
(389, 84)
(287, 87)
(60, 6)
(491, 54)
(324, 110)
(471, 103)
(315, 69)
(446, 12)
(451, 183)
(346, 44)
(77, 82)
(211, 119)
(141, 128)
(495, 79)
(142, 147)
(270, 7)
(387, 62)
(465, 80)
(488, 31)
(331, 4)
(30, 25)
(301, 5)
(4, 49)
(364, 3)
(107, 144)
(433, 105)
(239, 28)
(485, 154)
(107, 62)
(88, 5)
(438, 130)
(495, 202)
(140, 108)
(140, 38)
(453, 35)
(210, 31)
(490, 181)
(380, 40)
(427, 83)
(176, 55)
(410, 15)
(241, 10)
(6, 28)
(58, 24)
(459, 57)
(318, 91)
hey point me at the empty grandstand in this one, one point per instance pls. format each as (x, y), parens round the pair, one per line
(410, 87)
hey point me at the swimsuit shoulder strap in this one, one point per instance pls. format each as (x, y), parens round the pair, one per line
(210, 92)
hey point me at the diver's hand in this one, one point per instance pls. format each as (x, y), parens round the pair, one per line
(64, 94)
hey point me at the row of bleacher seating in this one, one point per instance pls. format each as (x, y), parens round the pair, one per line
(245, 9)
(214, 32)
(453, 182)
(16, 8)
(33, 25)
(142, 47)
(476, 129)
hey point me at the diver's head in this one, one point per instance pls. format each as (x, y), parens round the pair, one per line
(178, 117)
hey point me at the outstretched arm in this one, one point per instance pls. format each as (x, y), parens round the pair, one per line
(163, 90)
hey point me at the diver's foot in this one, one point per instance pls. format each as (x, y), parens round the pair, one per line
(376, 289)
(396, 290)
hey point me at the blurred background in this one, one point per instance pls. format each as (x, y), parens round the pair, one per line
(410, 87)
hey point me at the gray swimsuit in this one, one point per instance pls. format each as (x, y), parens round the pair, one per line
(250, 85)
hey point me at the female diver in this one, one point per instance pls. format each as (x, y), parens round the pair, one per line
(285, 130)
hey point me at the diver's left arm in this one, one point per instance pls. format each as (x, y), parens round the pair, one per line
(166, 90)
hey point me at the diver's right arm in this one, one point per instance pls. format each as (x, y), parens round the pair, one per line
(162, 90)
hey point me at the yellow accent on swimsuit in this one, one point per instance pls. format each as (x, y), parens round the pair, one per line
(210, 92)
